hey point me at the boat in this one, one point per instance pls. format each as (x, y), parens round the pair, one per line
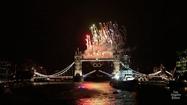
(124, 79)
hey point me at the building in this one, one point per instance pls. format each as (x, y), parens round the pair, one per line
(5, 70)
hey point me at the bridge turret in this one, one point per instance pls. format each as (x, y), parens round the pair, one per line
(78, 64)
(116, 63)
(126, 61)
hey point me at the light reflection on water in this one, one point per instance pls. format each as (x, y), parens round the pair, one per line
(103, 94)
(95, 101)
(87, 93)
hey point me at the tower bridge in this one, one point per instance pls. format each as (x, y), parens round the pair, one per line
(105, 44)
(75, 69)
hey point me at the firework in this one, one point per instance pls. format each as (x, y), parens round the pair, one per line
(104, 41)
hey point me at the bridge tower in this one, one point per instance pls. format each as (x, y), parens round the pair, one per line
(116, 63)
(126, 61)
(78, 63)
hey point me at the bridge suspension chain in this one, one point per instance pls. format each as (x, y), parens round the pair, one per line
(63, 71)
(55, 74)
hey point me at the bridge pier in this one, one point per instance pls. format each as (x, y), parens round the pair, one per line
(78, 67)
(116, 64)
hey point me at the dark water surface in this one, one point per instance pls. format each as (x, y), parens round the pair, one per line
(86, 93)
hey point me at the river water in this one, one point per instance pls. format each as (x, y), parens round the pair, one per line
(85, 93)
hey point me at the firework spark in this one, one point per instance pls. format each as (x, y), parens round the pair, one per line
(104, 41)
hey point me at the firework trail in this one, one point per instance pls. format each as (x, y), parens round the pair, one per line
(104, 41)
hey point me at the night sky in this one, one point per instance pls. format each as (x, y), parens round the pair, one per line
(53, 30)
